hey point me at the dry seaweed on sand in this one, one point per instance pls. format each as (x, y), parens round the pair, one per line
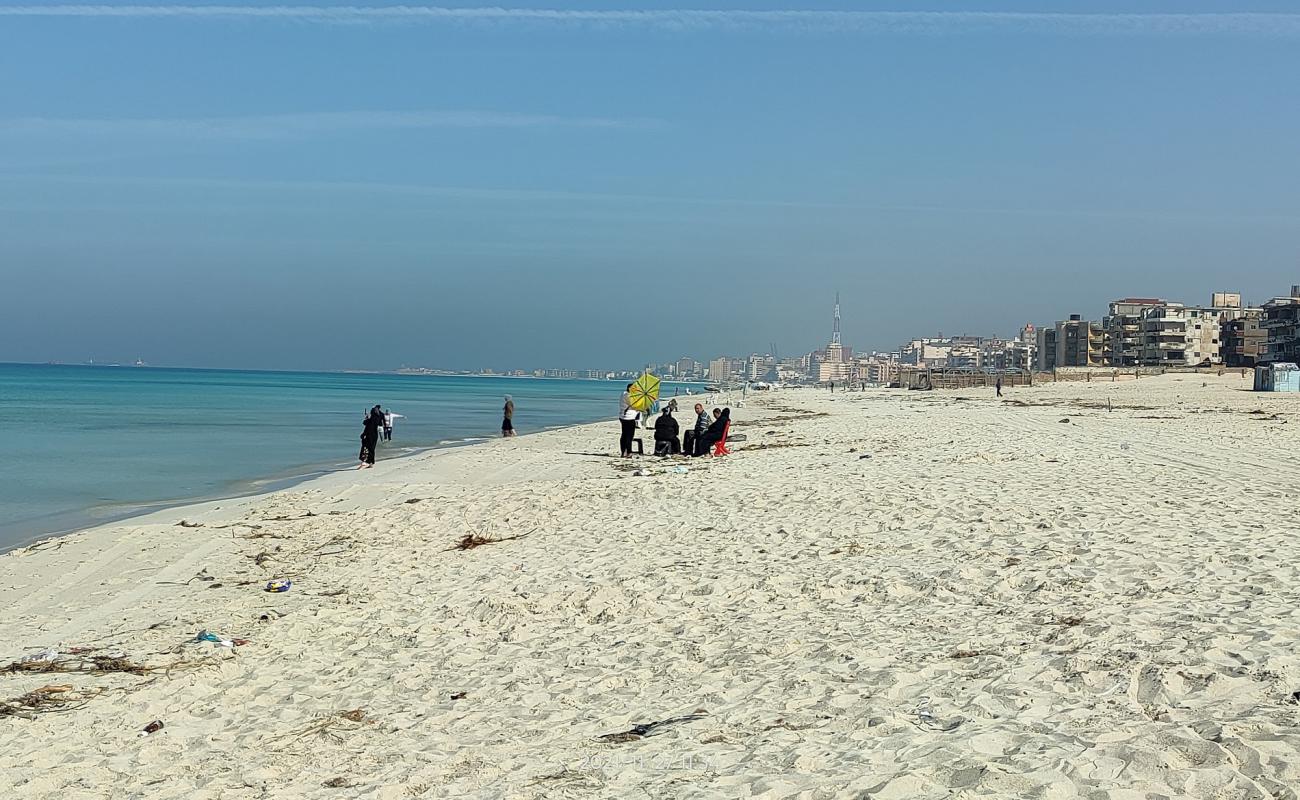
(773, 445)
(638, 732)
(258, 533)
(46, 700)
(99, 665)
(261, 558)
(55, 543)
(472, 540)
(331, 725)
(286, 518)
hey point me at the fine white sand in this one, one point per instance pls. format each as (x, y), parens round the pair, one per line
(995, 603)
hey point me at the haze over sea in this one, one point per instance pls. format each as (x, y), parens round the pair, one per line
(90, 444)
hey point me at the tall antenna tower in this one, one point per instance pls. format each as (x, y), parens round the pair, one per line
(835, 330)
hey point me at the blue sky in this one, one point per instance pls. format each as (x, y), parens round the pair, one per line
(321, 187)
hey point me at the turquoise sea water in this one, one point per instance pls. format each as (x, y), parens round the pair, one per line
(90, 444)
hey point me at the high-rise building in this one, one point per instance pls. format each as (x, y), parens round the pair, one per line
(834, 366)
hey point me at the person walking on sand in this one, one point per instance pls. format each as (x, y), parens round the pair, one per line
(998, 386)
(371, 426)
(508, 417)
(627, 419)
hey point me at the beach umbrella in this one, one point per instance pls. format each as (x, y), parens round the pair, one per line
(644, 393)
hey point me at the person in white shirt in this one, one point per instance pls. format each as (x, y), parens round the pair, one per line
(389, 416)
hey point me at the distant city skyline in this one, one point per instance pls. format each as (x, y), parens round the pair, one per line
(570, 185)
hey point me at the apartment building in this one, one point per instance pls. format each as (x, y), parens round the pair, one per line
(1046, 349)
(1243, 340)
(1079, 343)
(762, 368)
(1281, 323)
(1180, 336)
(1122, 327)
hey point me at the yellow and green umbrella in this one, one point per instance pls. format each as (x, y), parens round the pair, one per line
(644, 393)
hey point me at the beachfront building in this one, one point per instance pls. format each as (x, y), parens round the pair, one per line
(726, 370)
(875, 368)
(1164, 335)
(1174, 335)
(793, 370)
(1281, 322)
(926, 353)
(687, 368)
(833, 370)
(966, 352)
(761, 368)
(1243, 340)
(1023, 350)
(1045, 357)
(1075, 342)
(1122, 327)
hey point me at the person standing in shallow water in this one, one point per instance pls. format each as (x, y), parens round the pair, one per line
(508, 417)
(373, 423)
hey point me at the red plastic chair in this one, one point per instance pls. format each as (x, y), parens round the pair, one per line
(720, 449)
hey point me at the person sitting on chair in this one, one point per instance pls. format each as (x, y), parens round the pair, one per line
(702, 422)
(666, 434)
(714, 433)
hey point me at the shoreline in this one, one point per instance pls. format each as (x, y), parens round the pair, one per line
(81, 510)
(244, 488)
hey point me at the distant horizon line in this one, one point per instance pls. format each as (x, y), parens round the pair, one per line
(442, 372)
(685, 20)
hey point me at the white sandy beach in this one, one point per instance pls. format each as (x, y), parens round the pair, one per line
(996, 603)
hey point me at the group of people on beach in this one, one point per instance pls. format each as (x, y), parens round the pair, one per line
(377, 422)
(697, 440)
(706, 432)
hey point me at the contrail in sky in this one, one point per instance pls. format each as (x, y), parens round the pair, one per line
(866, 22)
